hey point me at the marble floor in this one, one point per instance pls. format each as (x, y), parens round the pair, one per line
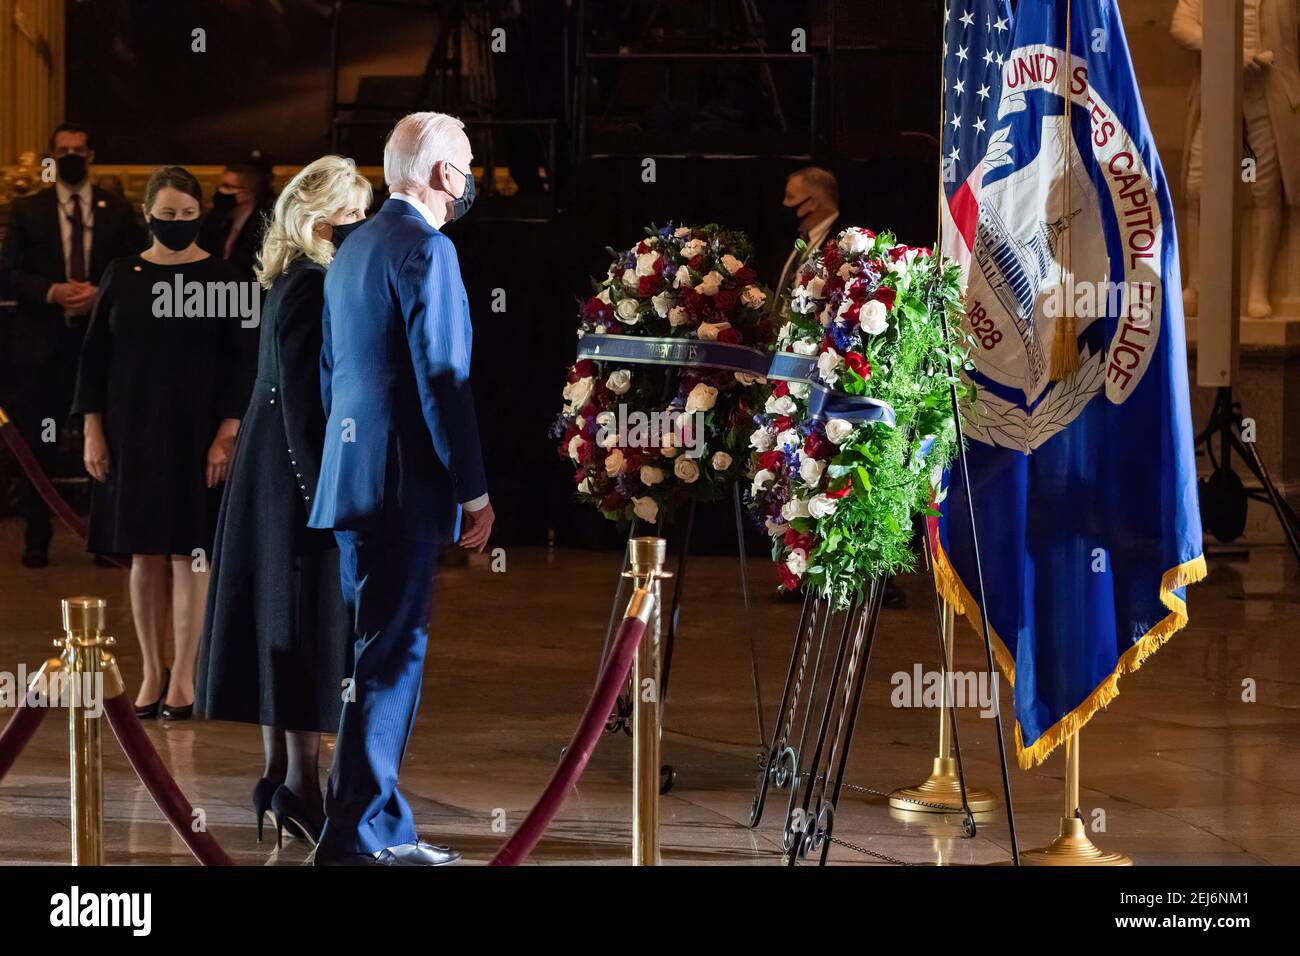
(1184, 770)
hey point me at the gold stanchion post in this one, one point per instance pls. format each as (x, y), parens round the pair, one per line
(1072, 847)
(941, 791)
(83, 664)
(646, 557)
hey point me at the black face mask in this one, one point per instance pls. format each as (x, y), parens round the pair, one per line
(175, 234)
(222, 203)
(342, 231)
(461, 205)
(72, 168)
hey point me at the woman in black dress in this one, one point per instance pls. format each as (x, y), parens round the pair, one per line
(277, 638)
(164, 377)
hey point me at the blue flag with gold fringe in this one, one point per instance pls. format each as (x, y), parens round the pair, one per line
(1080, 442)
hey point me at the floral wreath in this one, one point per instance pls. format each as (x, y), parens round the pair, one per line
(836, 490)
(646, 433)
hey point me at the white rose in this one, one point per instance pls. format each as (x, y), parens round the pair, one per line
(630, 279)
(814, 286)
(838, 430)
(702, 397)
(721, 461)
(575, 446)
(873, 317)
(804, 347)
(789, 437)
(663, 303)
(682, 231)
(794, 508)
(645, 508)
(645, 263)
(607, 436)
(762, 439)
(584, 486)
(710, 284)
(650, 475)
(692, 248)
(797, 561)
(762, 480)
(732, 264)
(578, 394)
(687, 470)
(682, 277)
(819, 506)
(669, 449)
(604, 297)
(626, 311)
(753, 297)
(779, 405)
(619, 381)
(855, 241)
(678, 316)
(708, 331)
(810, 470)
(614, 463)
(846, 271)
(749, 378)
(773, 528)
(827, 363)
(800, 389)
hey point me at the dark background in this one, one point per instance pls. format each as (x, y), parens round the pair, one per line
(291, 79)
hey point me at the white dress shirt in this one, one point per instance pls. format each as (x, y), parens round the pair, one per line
(85, 195)
(816, 236)
(479, 503)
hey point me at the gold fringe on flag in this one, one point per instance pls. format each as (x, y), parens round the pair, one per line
(952, 589)
(1065, 349)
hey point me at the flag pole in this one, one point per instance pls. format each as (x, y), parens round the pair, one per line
(1072, 846)
(970, 500)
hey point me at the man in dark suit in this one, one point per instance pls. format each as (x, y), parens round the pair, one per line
(401, 451)
(812, 201)
(58, 243)
(233, 229)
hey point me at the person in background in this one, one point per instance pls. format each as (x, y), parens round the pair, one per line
(58, 243)
(276, 637)
(162, 391)
(234, 228)
(812, 203)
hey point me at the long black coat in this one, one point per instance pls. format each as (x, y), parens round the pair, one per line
(276, 637)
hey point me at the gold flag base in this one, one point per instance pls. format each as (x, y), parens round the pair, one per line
(941, 793)
(1072, 848)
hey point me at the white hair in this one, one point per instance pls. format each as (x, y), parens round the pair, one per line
(417, 142)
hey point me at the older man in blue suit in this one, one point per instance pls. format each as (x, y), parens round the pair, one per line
(401, 452)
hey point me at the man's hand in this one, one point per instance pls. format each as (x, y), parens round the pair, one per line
(74, 297)
(477, 528)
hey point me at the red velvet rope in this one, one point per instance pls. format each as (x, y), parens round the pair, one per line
(44, 487)
(580, 749)
(18, 732)
(158, 781)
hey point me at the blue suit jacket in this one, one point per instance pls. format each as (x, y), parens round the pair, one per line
(401, 445)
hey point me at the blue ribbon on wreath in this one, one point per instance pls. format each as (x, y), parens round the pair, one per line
(695, 353)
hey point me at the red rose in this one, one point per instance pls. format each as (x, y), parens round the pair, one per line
(745, 275)
(648, 285)
(586, 452)
(612, 502)
(584, 369)
(788, 579)
(642, 248)
(793, 539)
(815, 446)
(695, 262)
(731, 335)
(858, 362)
(771, 460)
(886, 295)
(724, 300)
(841, 492)
(781, 390)
(783, 423)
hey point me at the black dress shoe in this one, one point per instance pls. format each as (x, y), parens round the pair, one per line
(263, 791)
(150, 711)
(36, 558)
(405, 854)
(421, 854)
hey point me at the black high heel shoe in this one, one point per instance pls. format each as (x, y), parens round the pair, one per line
(302, 822)
(263, 790)
(168, 712)
(150, 711)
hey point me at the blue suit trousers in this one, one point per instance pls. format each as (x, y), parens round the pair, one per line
(387, 583)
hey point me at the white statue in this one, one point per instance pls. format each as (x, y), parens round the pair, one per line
(1271, 103)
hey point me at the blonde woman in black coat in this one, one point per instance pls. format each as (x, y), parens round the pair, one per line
(276, 638)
